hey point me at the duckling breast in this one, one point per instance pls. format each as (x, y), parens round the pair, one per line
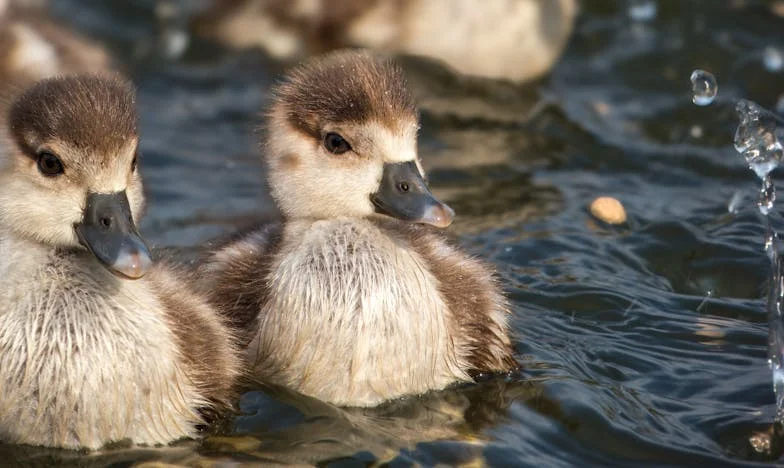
(84, 357)
(350, 309)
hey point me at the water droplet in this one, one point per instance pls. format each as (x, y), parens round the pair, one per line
(773, 59)
(756, 138)
(767, 197)
(735, 201)
(703, 87)
(642, 10)
(708, 295)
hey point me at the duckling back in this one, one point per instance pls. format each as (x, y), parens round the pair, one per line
(499, 39)
(36, 47)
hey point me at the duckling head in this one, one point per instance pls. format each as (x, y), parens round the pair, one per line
(342, 141)
(68, 172)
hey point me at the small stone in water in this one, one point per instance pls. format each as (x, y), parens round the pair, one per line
(703, 87)
(773, 59)
(609, 210)
(642, 10)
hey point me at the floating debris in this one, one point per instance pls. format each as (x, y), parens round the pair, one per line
(609, 210)
(704, 87)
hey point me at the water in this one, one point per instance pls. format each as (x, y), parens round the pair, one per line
(644, 344)
(704, 87)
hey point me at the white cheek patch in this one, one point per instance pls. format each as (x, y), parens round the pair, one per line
(393, 147)
(40, 214)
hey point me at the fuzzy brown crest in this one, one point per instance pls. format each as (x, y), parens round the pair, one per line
(95, 113)
(345, 87)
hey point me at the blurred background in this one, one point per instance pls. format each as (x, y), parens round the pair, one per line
(643, 342)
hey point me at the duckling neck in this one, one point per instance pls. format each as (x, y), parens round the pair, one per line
(21, 256)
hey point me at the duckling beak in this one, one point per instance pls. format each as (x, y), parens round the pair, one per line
(108, 231)
(404, 195)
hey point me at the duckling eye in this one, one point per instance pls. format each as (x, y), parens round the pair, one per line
(135, 162)
(336, 144)
(49, 164)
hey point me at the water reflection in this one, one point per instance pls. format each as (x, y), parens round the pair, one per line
(398, 430)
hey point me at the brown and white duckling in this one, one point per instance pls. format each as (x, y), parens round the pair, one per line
(96, 343)
(516, 40)
(36, 47)
(356, 298)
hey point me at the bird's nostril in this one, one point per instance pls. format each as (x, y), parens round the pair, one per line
(106, 222)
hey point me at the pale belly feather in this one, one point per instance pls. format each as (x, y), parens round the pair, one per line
(83, 366)
(354, 317)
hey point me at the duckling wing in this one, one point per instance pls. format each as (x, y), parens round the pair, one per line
(471, 291)
(234, 276)
(209, 354)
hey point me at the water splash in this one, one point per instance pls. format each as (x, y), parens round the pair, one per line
(776, 322)
(704, 87)
(642, 10)
(757, 140)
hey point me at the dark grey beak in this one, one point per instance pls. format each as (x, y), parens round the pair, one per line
(108, 231)
(404, 195)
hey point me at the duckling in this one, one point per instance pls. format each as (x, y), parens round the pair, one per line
(356, 297)
(97, 344)
(517, 40)
(36, 47)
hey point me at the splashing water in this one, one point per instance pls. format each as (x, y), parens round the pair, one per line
(776, 322)
(704, 87)
(642, 10)
(757, 140)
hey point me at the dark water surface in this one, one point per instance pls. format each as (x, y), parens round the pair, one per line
(643, 345)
